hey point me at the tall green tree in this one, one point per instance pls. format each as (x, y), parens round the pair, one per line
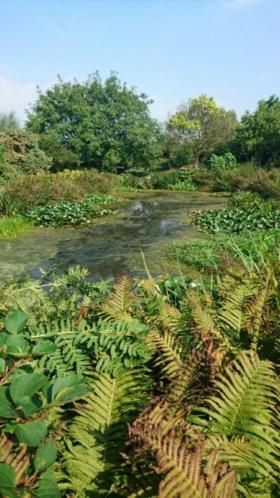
(258, 136)
(98, 124)
(8, 121)
(204, 126)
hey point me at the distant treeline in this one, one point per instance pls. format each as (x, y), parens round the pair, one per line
(107, 125)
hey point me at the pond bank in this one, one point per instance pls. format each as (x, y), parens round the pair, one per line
(150, 221)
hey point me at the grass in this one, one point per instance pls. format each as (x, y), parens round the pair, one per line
(11, 226)
(220, 250)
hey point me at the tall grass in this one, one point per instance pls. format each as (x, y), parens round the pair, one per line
(10, 226)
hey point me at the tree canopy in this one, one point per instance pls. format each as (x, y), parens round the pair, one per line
(98, 124)
(8, 121)
(259, 133)
(203, 126)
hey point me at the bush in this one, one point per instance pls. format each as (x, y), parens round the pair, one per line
(22, 152)
(222, 163)
(180, 180)
(27, 192)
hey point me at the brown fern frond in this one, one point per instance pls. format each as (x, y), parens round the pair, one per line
(183, 465)
(19, 459)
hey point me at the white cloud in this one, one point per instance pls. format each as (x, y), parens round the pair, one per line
(16, 96)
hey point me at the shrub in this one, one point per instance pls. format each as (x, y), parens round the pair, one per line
(26, 192)
(222, 163)
(22, 151)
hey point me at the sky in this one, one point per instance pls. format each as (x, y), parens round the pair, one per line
(172, 50)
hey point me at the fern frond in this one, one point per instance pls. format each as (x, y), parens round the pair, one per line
(117, 306)
(169, 353)
(97, 434)
(185, 474)
(245, 406)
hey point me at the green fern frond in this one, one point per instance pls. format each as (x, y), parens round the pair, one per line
(169, 353)
(245, 406)
(117, 306)
(97, 435)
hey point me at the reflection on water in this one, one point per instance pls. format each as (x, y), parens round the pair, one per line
(148, 221)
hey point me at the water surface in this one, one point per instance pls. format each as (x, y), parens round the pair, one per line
(149, 221)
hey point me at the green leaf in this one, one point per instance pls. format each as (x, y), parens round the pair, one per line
(7, 476)
(16, 321)
(31, 433)
(43, 347)
(45, 456)
(47, 486)
(68, 389)
(6, 408)
(2, 365)
(17, 346)
(26, 384)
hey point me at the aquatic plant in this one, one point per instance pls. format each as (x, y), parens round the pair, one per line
(72, 213)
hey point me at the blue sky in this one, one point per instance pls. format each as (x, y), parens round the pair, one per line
(170, 49)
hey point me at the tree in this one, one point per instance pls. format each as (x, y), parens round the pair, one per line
(8, 121)
(95, 124)
(258, 136)
(203, 126)
(21, 153)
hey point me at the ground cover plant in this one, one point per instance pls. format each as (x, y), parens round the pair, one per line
(10, 226)
(142, 388)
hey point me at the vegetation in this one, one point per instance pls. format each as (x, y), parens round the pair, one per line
(94, 124)
(204, 126)
(245, 212)
(148, 388)
(71, 213)
(7, 121)
(22, 153)
(10, 226)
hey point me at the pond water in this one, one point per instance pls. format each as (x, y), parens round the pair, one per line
(150, 222)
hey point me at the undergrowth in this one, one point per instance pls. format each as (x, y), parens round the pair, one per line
(152, 388)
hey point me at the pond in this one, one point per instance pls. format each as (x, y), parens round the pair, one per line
(146, 223)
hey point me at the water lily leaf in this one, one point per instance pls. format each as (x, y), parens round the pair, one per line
(31, 433)
(45, 456)
(16, 321)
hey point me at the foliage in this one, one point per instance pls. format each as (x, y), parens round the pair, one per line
(180, 180)
(203, 126)
(258, 135)
(221, 251)
(22, 151)
(220, 163)
(26, 192)
(142, 389)
(10, 226)
(7, 121)
(249, 214)
(98, 124)
(71, 213)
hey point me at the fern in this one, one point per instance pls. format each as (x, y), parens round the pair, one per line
(97, 434)
(183, 467)
(244, 406)
(117, 306)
